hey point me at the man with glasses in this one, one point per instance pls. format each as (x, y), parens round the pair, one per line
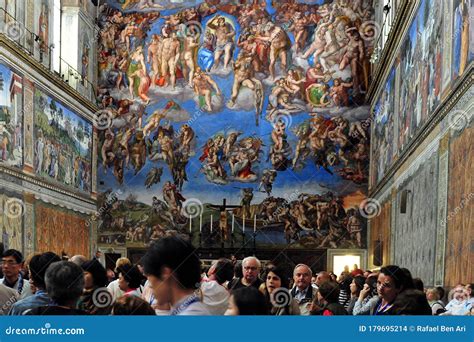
(250, 269)
(12, 262)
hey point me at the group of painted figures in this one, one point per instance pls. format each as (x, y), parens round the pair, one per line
(286, 59)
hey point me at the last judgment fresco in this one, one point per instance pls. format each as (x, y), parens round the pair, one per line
(234, 122)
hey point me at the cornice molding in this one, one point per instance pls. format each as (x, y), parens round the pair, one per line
(18, 174)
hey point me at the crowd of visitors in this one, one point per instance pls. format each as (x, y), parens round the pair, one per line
(169, 280)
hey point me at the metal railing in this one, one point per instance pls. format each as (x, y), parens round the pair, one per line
(37, 47)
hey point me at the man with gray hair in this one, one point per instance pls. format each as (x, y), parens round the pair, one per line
(303, 292)
(250, 270)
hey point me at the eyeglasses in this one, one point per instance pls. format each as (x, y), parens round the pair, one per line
(249, 268)
(9, 263)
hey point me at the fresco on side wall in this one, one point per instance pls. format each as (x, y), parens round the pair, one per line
(259, 103)
(11, 117)
(420, 63)
(11, 220)
(63, 143)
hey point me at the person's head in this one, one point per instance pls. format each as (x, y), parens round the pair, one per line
(391, 281)
(64, 283)
(302, 276)
(458, 293)
(12, 262)
(275, 277)
(432, 295)
(322, 277)
(130, 278)
(329, 292)
(132, 305)
(95, 274)
(418, 284)
(247, 301)
(38, 266)
(250, 269)
(172, 267)
(120, 262)
(78, 259)
(357, 285)
(411, 302)
(441, 292)
(221, 271)
(345, 282)
(469, 289)
(238, 270)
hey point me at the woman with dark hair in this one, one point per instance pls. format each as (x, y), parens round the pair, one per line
(247, 301)
(355, 287)
(95, 280)
(328, 295)
(368, 296)
(411, 302)
(277, 293)
(391, 281)
(132, 305)
(130, 279)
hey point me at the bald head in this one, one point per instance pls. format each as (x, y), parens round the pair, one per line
(322, 277)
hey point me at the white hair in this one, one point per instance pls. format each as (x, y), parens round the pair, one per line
(303, 265)
(251, 258)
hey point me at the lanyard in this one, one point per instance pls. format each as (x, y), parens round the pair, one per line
(383, 308)
(183, 306)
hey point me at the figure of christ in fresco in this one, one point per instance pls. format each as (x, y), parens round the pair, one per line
(203, 86)
(154, 57)
(169, 59)
(224, 40)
